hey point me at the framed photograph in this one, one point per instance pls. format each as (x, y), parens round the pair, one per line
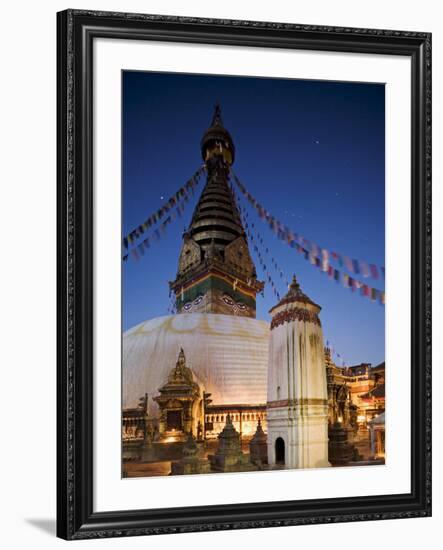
(244, 274)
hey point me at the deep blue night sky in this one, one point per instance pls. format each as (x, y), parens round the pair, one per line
(311, 152)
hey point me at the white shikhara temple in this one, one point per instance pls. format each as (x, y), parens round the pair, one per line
(213, 362)
(297, 404)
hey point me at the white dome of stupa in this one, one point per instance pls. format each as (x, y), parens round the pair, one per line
(227, 353)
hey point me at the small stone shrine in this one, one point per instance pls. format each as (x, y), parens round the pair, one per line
(229, 456)
(340, 451)
(258, 446)
(191, 463)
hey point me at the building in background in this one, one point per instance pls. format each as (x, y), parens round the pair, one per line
(377, 435)
(356, 398)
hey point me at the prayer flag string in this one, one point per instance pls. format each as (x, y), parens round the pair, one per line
(321, 263)
(255, 237)
(267, 275)
(172, 309)
(139, 250)
(354, 266)
(154, 218)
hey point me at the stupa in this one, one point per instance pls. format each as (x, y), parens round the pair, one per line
(215, 289)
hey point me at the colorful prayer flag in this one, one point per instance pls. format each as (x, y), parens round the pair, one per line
(374, 271)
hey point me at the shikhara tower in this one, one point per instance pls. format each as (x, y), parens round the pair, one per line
(216, 273)
(297, 406)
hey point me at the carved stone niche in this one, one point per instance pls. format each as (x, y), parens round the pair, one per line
(190, 255)
(237, 254)
(180, 403)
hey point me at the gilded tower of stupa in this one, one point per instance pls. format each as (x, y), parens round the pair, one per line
(216, 273)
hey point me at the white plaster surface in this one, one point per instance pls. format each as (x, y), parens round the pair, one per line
(228, 354)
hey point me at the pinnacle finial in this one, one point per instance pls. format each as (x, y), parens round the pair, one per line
(294, 283)
(181, 358)
(217, 118)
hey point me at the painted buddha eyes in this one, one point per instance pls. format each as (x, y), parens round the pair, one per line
(231, 302)
(228, 300)
(189, 305)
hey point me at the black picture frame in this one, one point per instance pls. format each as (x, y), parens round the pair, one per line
(75, 517)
